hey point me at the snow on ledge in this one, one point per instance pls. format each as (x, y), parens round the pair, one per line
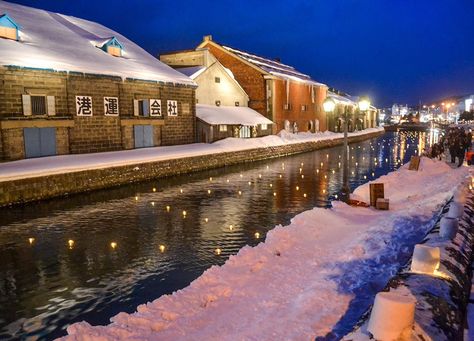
(299, 282)
(79, 162)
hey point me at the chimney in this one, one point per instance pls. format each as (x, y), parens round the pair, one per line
(208, 38)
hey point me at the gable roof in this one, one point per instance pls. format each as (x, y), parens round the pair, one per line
(266, 65)
(54, 41)
(6, 18)
(112, 41)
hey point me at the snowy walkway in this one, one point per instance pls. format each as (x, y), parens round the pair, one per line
(308, 279)
(78, 162)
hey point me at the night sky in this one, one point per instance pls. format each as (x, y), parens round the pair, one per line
(402, 51)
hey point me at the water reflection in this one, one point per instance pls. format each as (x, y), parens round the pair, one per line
(93, 255)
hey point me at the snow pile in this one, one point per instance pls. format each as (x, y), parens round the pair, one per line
(310, 278)
(54, 41)
(79, 162)
(230, 115)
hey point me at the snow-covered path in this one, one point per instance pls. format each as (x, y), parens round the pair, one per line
(307, 279)
(78, 162)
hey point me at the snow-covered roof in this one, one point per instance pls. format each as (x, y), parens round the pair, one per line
(213, 115)
(341, 99)
(192, 71)
(273, 67)
(54, 41)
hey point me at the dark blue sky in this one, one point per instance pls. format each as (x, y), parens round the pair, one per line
(402, 51)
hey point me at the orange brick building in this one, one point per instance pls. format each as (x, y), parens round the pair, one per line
(291, 99)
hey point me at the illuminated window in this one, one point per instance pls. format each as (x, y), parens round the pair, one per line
(112, 46)
(222, 128)
(264, 126)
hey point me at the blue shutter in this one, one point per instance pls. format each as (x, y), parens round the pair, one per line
(48, 141)
(138, 136)
(148, 136)
(31, 138)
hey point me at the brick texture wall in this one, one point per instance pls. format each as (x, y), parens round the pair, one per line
(90, 134)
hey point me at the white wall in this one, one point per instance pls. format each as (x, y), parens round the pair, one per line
(227, 91)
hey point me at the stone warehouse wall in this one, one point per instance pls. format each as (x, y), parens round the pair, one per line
(43, 187)
(97, 133)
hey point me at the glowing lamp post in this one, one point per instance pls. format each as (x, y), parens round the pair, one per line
(329, 105)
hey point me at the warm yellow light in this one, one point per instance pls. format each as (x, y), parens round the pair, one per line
(250, 183)
(136, 198)
(241, 175)
(31, 240)
(218, 251)
(335, 196)
(322, 164)
(240, 192)
(302, 164)
(70, 242)
(168, 208)
(281, 176)
(302, 176)
(357, 163)
(257, 235)
(260, 176)
(181, 190)
(231, 227)
(206, 219)
(324, 191)
(365, 176)
(113, 245)
(208, 191)
(364, 104)
(301, 169)
(325, 176)
(227, 180)
(210, 179)
(152, 203)
(304, 195)
(184, 213)
(317, 171)
(329, 105)
(154, 189)
(274, 194)
(271, 185)
(162, 248)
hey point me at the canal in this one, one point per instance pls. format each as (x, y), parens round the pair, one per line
(90, 256)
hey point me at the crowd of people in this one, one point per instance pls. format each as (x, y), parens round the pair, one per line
(457, 141)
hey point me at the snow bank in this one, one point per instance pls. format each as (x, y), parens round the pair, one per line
(79, 162)
(306, 278)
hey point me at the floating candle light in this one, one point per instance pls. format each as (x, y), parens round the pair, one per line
(231, 227)
(168, 208)
(274, 194)
(31, 240)
(218, 251)
(257, 235)
(304, 195)
(210, 179)
(206, 219)
(113, 245)
(240, 192)
(208, 191)
(302, 176)
(184, 213)
(154, 189)
(70, 242)
(152, 203)
(162, 248)
(181, 190)
(136, 198)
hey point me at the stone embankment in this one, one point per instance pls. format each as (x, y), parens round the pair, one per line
(35, 188)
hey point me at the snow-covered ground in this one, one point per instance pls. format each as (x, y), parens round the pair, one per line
(309, 278)
(78, 162)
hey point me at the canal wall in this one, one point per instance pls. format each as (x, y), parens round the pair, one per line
(49, 186)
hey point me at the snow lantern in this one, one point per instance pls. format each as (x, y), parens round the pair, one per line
(460, 196)
(392, 316)
(448, 227)
(456, 210)
(425, 259)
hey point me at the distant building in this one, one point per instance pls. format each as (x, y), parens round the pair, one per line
(221, 103)
(74, 86)
(289, 98)
(357, 120)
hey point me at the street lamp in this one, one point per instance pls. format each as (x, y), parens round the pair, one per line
(329, 105)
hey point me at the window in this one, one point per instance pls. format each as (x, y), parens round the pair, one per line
(38, 105)
(237, 104)
(304, 107)
(218, 103)
(141, 107)
(172, 108)
(217, 79)
(264, 126)
(222, 128)
(287, 106)
(112, 46)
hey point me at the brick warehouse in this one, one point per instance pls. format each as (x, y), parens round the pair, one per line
(115, 97)
(284, 95)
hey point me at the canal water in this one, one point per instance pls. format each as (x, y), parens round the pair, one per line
(90, 256)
